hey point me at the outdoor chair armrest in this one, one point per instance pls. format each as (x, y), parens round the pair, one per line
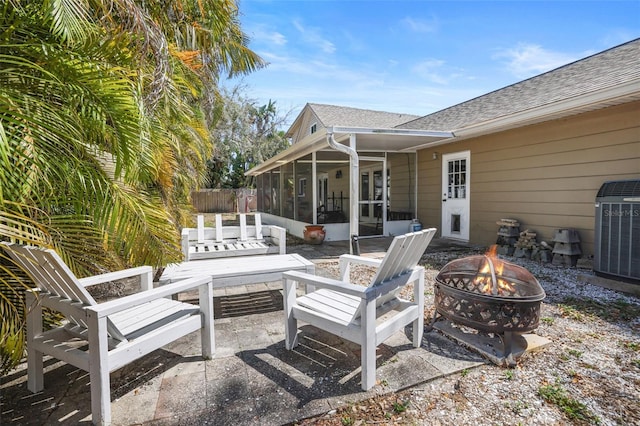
(322, 282)
(145, 273)
(113, 306)
(346, 260)
(369, 261)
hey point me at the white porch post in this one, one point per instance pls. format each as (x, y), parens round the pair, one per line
(295, 189)
(354, 191)
(353, 183)
(314, 189)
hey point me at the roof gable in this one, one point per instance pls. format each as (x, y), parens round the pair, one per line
(333, 115)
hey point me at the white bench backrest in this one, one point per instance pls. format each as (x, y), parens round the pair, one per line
(200, 229)
(243, 227)
(258, 226)
(219, 236)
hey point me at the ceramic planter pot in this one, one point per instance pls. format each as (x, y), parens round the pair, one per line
(314, 234)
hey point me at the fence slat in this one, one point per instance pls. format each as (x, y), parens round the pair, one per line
(241, 200)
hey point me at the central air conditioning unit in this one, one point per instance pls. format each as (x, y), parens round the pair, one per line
(617, 231)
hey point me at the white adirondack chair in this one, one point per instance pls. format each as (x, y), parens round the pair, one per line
(118, 331)
(363, 315)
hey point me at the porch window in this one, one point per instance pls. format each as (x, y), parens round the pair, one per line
(302, 187)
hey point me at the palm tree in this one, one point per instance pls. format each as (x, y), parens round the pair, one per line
(104, 110)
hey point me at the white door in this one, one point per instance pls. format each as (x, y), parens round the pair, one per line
(455, 195)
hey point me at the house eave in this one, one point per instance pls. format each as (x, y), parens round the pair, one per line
(611, 96)
(311, 143)
(389, 131)
(371, 139)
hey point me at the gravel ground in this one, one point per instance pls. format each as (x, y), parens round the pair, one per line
(589, 374)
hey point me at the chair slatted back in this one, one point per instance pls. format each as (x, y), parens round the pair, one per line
(403, 254)
(49, 272)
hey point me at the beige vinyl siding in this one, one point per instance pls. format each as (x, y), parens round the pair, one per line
(545, 175)
(305, 126)
(429, 188)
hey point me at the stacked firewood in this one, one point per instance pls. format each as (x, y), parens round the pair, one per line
(528, 246)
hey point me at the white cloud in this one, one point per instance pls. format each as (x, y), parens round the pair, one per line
(270, 38)
(313, 36)
(526, 60)
(277, 38)
(434, 70)
(264, 35)
(420, 25)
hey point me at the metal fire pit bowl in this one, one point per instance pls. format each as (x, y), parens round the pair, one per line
(488, 294)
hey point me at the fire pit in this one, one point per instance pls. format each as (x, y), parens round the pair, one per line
(491, 296)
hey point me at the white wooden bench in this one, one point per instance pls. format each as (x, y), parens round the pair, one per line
(226, 241)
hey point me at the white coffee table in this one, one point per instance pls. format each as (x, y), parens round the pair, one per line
(242, 270)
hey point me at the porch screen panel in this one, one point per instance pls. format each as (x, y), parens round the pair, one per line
(260, 193)
(334, 207)
(267, 198)
(275, 192)
(304, 190)
(288, 190)
(401, 186)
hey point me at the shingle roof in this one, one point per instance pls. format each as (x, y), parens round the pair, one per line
(333, 115)
(606, 69)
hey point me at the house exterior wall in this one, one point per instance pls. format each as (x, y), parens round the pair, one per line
(545, 175)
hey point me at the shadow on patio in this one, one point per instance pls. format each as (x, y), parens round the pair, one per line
(253, 379)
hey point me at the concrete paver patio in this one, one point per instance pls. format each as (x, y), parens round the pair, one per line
(253, 379)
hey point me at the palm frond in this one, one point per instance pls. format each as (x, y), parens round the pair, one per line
(69, 19)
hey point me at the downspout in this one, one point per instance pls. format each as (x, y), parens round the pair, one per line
(353, 187)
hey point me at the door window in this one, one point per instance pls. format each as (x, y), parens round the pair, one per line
(457, 179)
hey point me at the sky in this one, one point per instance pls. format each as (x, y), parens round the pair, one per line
(417, 56)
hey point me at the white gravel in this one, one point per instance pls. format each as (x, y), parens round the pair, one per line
(589, 374)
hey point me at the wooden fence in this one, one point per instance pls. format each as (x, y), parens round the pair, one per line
(241, 200)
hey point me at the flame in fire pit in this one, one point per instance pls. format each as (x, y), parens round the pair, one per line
(489, 279)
